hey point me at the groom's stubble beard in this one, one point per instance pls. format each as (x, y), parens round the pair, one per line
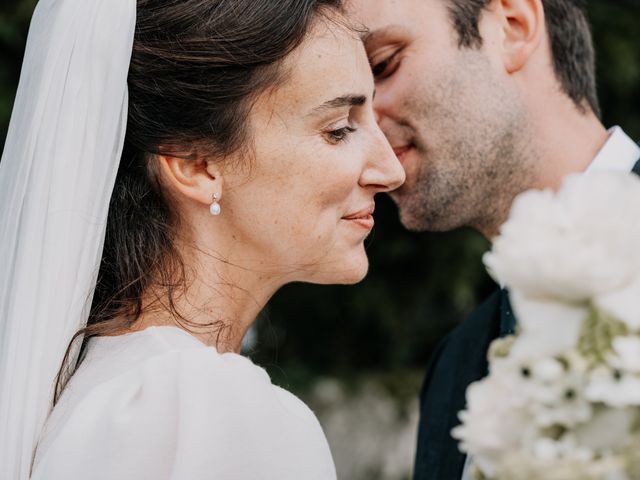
(475, 151)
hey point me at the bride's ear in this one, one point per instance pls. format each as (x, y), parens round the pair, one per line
(197, 180)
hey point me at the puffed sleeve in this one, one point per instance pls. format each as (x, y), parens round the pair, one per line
(189, 415)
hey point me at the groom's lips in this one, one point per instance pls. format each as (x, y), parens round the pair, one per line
(402, 151)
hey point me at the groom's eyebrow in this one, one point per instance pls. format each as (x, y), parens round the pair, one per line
(371, 38)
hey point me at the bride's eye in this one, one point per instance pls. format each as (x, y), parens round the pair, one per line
(386, 67)
(339, 135)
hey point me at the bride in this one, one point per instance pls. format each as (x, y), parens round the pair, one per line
(169, 166)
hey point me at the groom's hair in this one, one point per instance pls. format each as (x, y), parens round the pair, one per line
(570, 37)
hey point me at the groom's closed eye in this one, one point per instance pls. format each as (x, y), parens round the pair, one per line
(385, 68)
(383, 50)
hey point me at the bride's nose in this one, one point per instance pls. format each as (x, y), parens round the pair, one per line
(383, 170)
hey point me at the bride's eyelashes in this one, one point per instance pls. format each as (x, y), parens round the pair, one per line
(339, 135)
(340, 129)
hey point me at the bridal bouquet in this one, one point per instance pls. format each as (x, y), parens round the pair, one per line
(562, 399)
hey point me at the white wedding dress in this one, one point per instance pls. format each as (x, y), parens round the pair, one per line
(159, 404)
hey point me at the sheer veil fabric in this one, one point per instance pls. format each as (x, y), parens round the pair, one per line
(56, 178)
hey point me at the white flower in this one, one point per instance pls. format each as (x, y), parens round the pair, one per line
(571, 245)
(548, 328)
(613, 388)
(562, 400)
(538, 382)
(622, 304)
(618, 384)
(552, 393)
(547, 449)
(607, 431)
(521, 467)
(626, 356)
(490, 424)
(548, 371)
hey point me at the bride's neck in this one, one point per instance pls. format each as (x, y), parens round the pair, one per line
(218, 304)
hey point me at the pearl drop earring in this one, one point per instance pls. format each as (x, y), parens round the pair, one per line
(215, 208)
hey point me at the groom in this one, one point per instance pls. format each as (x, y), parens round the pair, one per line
(481, 100)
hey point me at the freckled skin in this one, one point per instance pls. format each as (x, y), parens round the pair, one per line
(315, 157)
(288, 209)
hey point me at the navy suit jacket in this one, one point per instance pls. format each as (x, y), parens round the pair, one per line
(459, 360)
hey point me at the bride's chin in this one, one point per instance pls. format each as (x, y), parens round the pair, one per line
(357, 269)
(358, 277)
(349, 275)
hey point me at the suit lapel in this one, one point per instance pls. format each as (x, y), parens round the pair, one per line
(507, 318)
(460, 360)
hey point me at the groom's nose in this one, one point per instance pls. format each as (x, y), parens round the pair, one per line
(391, 130)
(384, 104)
(377, 116)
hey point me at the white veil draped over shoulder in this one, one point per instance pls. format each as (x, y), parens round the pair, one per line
(56, 178)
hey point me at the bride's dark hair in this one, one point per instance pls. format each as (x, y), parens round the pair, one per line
(196, 67)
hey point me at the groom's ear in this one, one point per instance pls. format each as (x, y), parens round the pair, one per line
(523, 30)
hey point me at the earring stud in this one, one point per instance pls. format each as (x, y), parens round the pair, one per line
(215, 208)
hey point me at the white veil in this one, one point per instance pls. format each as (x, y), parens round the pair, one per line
(56, 177)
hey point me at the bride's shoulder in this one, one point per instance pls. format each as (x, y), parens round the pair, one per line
(178, 400)
(164, 364)
(165, 372)
(170, 350)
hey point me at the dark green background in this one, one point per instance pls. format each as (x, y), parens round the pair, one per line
(420, 285)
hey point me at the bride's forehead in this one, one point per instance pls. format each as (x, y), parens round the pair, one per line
(330, 60)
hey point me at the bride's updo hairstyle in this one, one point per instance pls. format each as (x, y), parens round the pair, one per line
(196, 68)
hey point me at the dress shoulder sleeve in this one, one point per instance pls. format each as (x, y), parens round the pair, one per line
(189, 414)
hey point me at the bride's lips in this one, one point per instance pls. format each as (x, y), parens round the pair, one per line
(362, 218)
(402, 151)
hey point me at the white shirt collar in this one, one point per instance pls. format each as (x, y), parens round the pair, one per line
(619, 153)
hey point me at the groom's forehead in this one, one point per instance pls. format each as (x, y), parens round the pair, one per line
(373, 37)
(382, 16)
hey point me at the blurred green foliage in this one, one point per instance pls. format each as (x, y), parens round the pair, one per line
(419, 285)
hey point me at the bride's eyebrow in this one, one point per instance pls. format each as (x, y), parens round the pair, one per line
(342, 101)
